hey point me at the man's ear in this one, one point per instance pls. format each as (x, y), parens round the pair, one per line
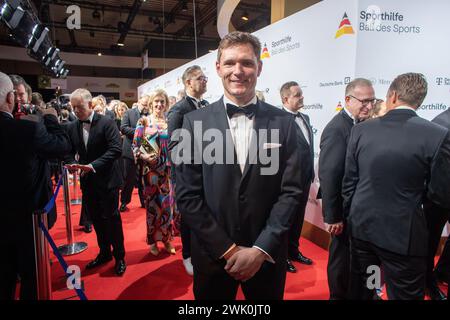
(10, 98)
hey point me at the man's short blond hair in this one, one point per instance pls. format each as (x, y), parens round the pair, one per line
(411, 88)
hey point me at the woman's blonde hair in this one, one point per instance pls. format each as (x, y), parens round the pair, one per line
(158, 93)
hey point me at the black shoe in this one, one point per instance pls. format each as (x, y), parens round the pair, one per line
(120, 267)
(290, 267)
(123, 207)
(434, 292)
(87, 228)
(302, 259)
(98, 261)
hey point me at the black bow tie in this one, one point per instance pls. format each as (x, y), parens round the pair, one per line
(298, 115)
(86, 121)
(248, 111)
(204, 103)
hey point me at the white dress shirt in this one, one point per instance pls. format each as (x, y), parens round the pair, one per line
(241, 131)
(301, 123)
(350, 115)
(87, 129)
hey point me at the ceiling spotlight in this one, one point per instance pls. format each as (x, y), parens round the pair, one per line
(120, 44)
(12, 13)
(96, 14)
(184, 6)
(99, 54)
(245, 16)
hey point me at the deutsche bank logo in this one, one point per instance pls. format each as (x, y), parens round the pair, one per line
(439, 81)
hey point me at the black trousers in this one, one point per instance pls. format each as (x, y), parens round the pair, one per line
(103, 209)
(85, 218)
(267, 284)
(436, 219)
(443, 265)
(338, 268)
(18, 258)
(404, 275)
(296, 228)
(185, 233)
(131, 180)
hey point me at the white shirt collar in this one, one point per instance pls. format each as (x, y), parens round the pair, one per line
(349, 114)
(91, 117)
(194, 98)
(286, 109)
(254, 100)
(405, 108)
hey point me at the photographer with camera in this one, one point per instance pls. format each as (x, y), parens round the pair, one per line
(26, 144)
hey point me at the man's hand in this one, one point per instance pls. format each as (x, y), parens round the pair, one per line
(334, 229)
(244, 263)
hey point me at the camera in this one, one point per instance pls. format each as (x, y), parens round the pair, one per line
(24, 109)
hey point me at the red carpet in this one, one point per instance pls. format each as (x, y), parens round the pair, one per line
(162, 277)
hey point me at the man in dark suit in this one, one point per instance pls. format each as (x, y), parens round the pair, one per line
(194, 82)
(238, 205)
(359, 100)
(437, 216)
(391, 163)
(292, 99)
(96, 139)
(26, 146)
(127, 127)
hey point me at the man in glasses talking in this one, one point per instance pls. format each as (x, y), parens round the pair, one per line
(359, 101)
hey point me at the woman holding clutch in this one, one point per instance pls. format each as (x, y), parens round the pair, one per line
(150, 149)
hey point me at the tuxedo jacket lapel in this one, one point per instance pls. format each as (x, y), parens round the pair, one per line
(260, 121)
(92, 130)
(220, 119)
(82, 147)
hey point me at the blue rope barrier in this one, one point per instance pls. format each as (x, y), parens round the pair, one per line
(56, 252)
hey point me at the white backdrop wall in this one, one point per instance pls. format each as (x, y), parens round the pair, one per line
(407, 35)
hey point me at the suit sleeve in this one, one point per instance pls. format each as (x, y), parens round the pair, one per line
(174, 122)
(191, 202)
(331, 172)
(351, 175)
(283, 211)
(51, 141)
(125, 126)
(439, 186)
(114, 149)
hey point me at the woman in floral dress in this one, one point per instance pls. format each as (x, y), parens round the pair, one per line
(154, 169)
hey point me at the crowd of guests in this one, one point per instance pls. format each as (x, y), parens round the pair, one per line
(383, 175)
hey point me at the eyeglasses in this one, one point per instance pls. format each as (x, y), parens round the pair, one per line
(367, 101)
(201, 78)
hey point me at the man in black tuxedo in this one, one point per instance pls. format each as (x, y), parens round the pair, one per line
(238, 205)
(194, 82)
(391, 163)
(26, 146)
(127, 127)
(96, 139)
(359, 100)
(292, 99)
(437, 216)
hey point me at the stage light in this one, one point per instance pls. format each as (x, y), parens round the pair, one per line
(12, 13)
(37, 37)
(245, 16)
(120, 44)
(99, 54)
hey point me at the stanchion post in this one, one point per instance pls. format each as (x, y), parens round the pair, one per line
(75, 199)
(71, 247)
(43, 273)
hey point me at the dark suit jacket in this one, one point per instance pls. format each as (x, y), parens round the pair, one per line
(127, 127)
(25, 174)
(387, 174)
(110, 114)
(333, 147)
(103, 152)
(223, 206)
(441, 169)
(175, 116)
(307, 151)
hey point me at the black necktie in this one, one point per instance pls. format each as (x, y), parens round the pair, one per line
(248, 111)
(86, 121)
